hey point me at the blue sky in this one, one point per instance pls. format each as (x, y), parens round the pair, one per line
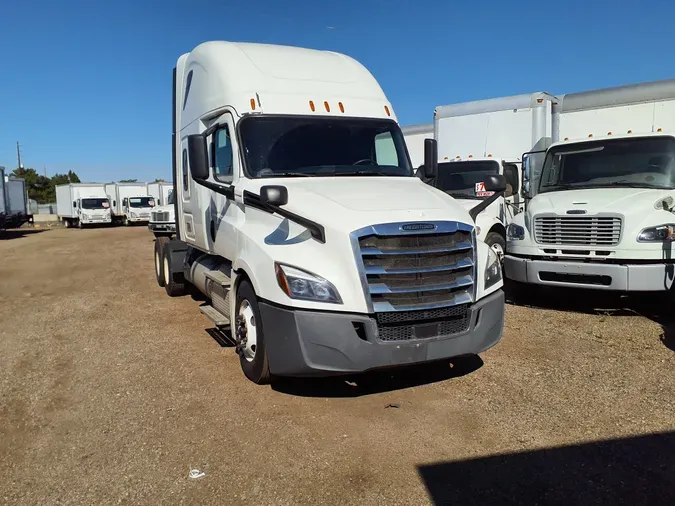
(86, 85)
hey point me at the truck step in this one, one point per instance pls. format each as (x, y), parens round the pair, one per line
(215, 316)
(219, 277)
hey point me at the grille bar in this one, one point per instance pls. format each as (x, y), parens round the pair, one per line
(462, 264)
(381, 288)
(578, 230)
(373, 251)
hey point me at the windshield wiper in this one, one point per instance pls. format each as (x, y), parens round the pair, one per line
(459, 195)
(286, 174)
(629, 184)
(359, 173)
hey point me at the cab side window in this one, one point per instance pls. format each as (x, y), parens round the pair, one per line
(511, 176)
(222, 155)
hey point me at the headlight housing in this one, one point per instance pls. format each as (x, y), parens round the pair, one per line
(493, 269)
(515, 232)
(303, 285)
(661, 233)
(134, 215)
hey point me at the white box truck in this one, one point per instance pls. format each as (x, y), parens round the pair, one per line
(16, 202)
(160, 191)
(130, 202)
(81, 204)
(414, 136)
(601, 215)
(163, 219)
(299, 216)
(485, 137)
(3, 205)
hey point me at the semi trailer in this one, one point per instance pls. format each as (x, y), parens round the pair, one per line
(601, 214)
(414, 136)
(299, 217)
(130, 202)
(485, 137)
(82, 204)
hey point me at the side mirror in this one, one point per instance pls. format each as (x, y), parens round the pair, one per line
(495, 183)
(274, 195)
(198, 154)
(525, 189)
(74, 204)
(430, 158)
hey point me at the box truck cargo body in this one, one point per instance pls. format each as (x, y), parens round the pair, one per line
(299, 216)
(160, 191)
(131, 202)
(15, 210)
(602, 211)
(3, 205)
(414, 139)
(485, 137)
(81, 204)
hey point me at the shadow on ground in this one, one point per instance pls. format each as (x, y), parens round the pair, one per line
(222, 337)
(18, 233)
(376, 382)
(638, 470)
(658, 307)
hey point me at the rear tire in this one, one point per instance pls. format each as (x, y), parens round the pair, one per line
(160, 242)
(174, 282)
(248, 324)
(66, 223)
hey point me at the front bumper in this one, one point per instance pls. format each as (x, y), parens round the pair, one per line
(100, 221)
(310, 343)
(162, 227)
(138, 220)
(619, 277)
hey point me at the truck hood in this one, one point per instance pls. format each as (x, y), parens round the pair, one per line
(355, 202)
(600, 200)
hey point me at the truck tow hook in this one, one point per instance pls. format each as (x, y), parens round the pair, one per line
(240, 336)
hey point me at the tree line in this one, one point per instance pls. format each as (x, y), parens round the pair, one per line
(42, 189)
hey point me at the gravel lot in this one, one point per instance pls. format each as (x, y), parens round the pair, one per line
(110, 392)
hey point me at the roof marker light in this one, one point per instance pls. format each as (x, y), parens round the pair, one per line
(609, 133)
(540, 100)
(386, 109)
(470, 156)
(445, 158)
(590, 135)
(489, 155)
(325, 104)
(253, 104)
(311, 105)
(342, 107)
(566, 139)
(659, 129)
(457, 157)
(630, 131)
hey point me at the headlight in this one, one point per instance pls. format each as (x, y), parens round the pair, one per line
(662, 233)
(85, 217)
(299, 284)
(515, 232)
(134, 215)
(493, 271)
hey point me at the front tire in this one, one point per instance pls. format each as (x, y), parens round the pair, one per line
(250, 337)
(498, 244)
(160, 242)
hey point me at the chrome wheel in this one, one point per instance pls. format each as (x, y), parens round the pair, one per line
(246, 330)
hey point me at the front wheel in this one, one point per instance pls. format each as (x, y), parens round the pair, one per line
(498, 244)
(249, 336)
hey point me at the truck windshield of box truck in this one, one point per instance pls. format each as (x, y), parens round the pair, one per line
(138, 202)
(647, 162)
(292, 146)
(463, 180)
(92, 203)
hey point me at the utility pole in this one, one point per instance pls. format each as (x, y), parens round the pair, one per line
(18, 155)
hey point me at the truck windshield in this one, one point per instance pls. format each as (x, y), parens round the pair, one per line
(647, 162)
(95, 203)
(169, 199)
(141, 202)
(287, 146)
(465, 179)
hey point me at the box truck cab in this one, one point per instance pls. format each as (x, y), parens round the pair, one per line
(300, 218)
(487, 137)
(80, 204)
(602, 212)
(130, 202)
(163, 218)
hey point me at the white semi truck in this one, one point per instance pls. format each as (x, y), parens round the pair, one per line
(131, 202)
(299, 216)
(160, 191)
(163, 218)
(602, 211)
(414, 136)
(487, 137)
(81, 204)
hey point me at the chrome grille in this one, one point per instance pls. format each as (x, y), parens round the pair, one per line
(160, 216)
(417, 270)
(578, 230)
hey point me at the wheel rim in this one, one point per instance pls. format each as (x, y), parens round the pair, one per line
(499, 250)
(247, 317)
(167, 274)
(158, 268)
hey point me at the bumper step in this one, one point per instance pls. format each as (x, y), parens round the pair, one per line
(219, 319)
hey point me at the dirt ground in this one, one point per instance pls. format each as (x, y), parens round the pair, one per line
(110, 392)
